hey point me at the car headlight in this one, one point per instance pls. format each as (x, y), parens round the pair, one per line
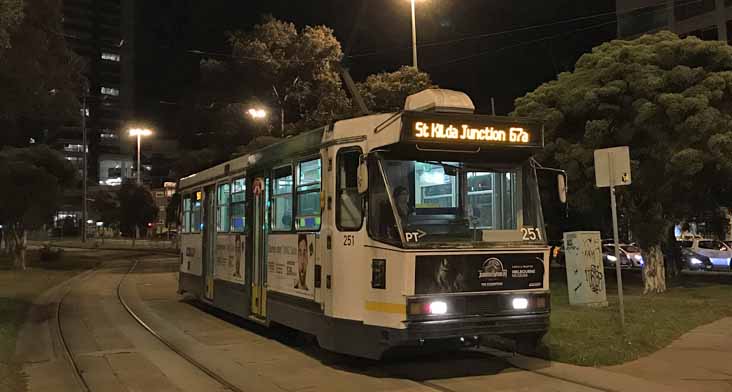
(638, 258)
(612, 258)
(695, 261)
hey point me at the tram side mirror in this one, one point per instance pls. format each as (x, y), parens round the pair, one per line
(363, 175)
(562, 187)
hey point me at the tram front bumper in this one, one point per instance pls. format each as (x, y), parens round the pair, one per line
(476, 326)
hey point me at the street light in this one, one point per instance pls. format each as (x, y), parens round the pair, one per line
(139, 132)
(414, 35)
(257, 113)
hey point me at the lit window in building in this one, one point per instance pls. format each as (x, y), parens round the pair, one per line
(110, 91)
(110, 56)
(107, 136)
(74, 148)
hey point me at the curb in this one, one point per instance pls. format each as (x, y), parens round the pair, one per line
(587, 376)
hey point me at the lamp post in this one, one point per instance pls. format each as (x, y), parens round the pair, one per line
(139, 132)
(414, 35)
(84, 169)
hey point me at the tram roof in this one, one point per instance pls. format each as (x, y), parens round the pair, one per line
(377, 130)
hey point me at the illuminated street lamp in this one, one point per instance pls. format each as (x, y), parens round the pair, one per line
(257, 113)
(139, 132)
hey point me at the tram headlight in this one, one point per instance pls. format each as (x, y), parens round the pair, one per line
(438, 307)
(520, 303)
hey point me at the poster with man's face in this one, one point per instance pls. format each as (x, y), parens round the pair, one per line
(303, 257)
(291, 263)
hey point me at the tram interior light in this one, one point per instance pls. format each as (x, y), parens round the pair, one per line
(438, 307)
(520, 303)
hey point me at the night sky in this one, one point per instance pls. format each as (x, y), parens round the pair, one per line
(376, 36)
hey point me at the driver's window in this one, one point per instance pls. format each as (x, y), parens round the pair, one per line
(381, 223)
(434, 188)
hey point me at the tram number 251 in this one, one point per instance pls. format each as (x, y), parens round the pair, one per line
(349, 240)
(531, 234)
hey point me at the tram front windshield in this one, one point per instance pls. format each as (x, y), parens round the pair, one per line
(442, 202)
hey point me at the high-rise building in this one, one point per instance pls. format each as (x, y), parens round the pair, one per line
(706, 19)
(102, 33)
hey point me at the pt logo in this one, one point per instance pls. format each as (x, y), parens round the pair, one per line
(414, 236)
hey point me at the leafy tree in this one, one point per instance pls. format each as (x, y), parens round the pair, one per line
(669, 100)
(33, 182)
(295, 68)
(386, 91)
(41, 78)
(106, 205)
(136, 207)
(171, 210)
(11, 13)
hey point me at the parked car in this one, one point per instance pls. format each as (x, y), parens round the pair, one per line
(628, 251)
(609, 259)
(705, 254)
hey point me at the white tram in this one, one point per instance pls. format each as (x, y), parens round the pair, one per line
(378, 231)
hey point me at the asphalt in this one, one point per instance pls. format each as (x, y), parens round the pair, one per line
(114, 353)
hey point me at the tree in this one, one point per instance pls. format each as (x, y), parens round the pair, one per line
(136, 207)
(33, 180)
(295, 68)
(106, 206)
(669, 100)
(172, 216)
(41, 78)
(11, 13)
(386, 91)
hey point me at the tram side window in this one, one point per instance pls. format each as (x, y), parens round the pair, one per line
(350, 203)
(222, 208)
(308, 195)
(196, 212)
(187, 214)
(238, 205)
(282, 199)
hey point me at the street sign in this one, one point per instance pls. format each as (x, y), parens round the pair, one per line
(612, 167)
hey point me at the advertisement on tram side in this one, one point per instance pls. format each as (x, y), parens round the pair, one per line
(291, 264)
(475, 273)
(190, 248)
(230, 251)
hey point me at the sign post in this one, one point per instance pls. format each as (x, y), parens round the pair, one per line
(612, 168)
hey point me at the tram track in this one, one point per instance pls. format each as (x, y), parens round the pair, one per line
(68, 354)
(431, 385)
(223, 382)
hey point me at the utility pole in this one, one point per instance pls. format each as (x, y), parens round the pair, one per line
(84, 169)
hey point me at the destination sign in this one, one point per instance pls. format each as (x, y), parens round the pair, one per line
(478, 130)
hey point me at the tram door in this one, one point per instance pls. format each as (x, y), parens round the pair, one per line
(260, 190)
(209, 241)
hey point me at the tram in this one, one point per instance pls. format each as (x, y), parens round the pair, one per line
(378, 231)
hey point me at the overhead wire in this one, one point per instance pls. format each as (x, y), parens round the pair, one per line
(528, 42)
(522, 29)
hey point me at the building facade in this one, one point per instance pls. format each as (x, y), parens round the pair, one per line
(706, 19)
(102, 33)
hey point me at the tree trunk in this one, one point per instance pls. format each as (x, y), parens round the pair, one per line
(20, 242)
(654, 271)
